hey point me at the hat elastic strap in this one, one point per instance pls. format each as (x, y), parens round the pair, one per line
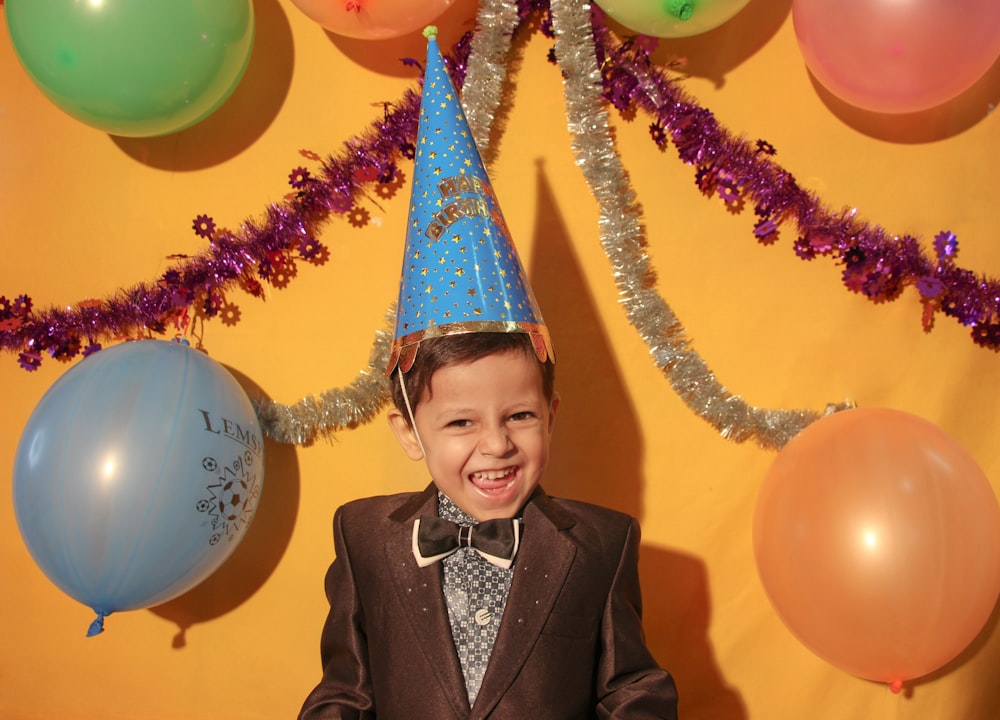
(409, 410)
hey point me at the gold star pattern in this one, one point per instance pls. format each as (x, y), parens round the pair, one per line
(453, 206)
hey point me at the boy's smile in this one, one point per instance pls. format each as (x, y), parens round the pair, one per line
(485, 427)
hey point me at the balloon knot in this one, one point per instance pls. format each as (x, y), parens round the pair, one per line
(97, 626)
(430, 31)
(896, 686)
(680, 9)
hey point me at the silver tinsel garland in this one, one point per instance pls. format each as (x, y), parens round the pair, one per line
(623, 240)
(334, 409)
(621, 237)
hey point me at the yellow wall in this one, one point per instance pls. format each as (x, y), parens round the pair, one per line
(84, 214)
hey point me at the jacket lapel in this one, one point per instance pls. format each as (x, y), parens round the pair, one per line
(540, 569)
(421, 596)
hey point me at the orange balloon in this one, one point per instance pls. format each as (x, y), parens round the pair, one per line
(877, 539)
(373, 19)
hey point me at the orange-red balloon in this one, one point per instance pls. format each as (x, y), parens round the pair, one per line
(877, 539)
(373, 19)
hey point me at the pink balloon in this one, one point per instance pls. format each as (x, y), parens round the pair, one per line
(373, 19)
(877, 539)
(897, 56)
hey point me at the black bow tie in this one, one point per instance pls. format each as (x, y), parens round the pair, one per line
(435, 538)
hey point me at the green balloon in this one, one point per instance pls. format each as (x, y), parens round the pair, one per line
(135, 68)
(672, 18)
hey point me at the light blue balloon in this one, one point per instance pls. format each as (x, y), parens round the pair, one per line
(137, 475)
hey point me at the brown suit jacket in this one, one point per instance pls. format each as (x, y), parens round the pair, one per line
(570, 644)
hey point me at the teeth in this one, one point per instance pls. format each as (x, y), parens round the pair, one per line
(491, 475)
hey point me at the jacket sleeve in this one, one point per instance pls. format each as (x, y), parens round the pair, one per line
(630, 684)
(345, 691)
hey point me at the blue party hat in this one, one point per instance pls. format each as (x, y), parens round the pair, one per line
(461, 272)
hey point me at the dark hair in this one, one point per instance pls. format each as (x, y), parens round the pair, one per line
(436, 353)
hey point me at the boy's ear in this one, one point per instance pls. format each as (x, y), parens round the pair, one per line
(405, 434)
(553, 406)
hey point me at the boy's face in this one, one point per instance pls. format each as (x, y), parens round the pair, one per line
(485, 427)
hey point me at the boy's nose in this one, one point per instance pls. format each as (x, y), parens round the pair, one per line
(494, 441)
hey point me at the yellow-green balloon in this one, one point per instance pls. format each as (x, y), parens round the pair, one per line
(671, 18)
(135, 68)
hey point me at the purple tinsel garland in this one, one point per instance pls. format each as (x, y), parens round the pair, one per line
(874, 262)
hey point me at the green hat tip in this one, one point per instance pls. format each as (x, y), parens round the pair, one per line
(430, 31)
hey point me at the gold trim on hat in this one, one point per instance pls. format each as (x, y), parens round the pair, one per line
(404, 349)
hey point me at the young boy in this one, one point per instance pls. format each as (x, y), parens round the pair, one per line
(480, 597)
(557, 634)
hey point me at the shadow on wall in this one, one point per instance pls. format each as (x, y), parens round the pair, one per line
(937, 123)
(597, 455)
(597, 445)
(261, 549)
(385, 57)
(980, 700)
(677, 609)
(245, 115)
(712, 54)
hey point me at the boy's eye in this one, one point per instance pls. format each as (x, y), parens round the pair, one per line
(459, 423)
(523, 415)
